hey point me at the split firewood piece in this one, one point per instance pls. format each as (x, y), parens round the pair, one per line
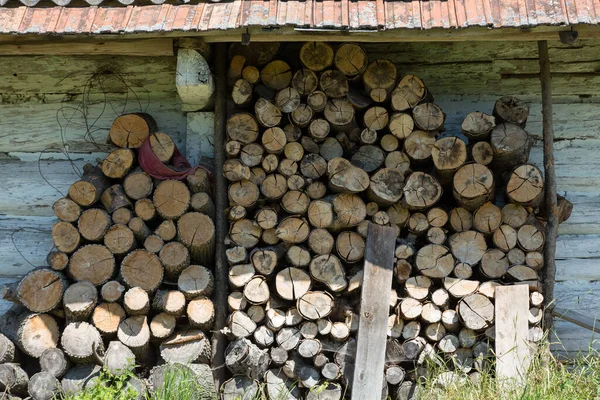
(339, 113)
(428, 117)
(511, 109)
(494, 264)
(351, 59)
(138, 185)
(79, 301)
(380, 74)
(241, 325)
(410, 308)
(13, 380)
(487, 218)
(107, 317)
(66, 210)
(41, 290)
(119, 239)
(395, 326)
(315, 305)
(131, 130)
(121, 216)
(196, 281)
(345, 177)
(241, 94)
(317, 101)
(459, 288)
(488, 289)
(93, 224)
(421, 191)
(93, 263)
(434, 261)
(473, 185)
(526, 186)
(305, 81)
(328, 269)
(476, 312)
(505, 238)
(385, 187)
(511, 145)
(482, 153)
(264, 337)
(530, 238)
(142, 268)
(112, 291)
(55, 362)
(134, 333)
(293, 230)
(90, 187)
(118, 163)
(171, 199)
(522, 273)
(514, 215)
(243, 193)
(82, 343)
(242, 127)
(418, 287)
(118, 358)
(468, 246)
(334, 84)
(316, 56)
(477, 126)
(245, 233)
(448, 155)
(276, 75)
(288, 338)
(292, 283)
(350, 246)
(409, 92)
(201, 313)
(197, 232)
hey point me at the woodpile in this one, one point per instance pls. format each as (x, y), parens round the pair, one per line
(130, 281)
(319, 151)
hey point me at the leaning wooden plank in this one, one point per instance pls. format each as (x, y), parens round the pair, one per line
(143, 47)
(372, 330)
(512, 351)
(584, 321)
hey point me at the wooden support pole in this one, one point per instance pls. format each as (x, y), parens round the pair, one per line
(372, 329)
(512, 351)
(219, 341)
(550, 201)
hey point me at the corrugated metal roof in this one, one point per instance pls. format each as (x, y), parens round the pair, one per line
(336, 14)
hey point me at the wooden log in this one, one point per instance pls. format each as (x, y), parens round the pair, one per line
(302, 115)
(142, 260)
(131, 130)
(65, 236)
(138, 185)
(242, 127)
(418, 287)
(385, 187)
(476, 312)
(315, 305)
(530, 238)
(468, 246)
(418, 224)
(7, 350)
(79, 301)
(232, 149)
(144, 209)
(317, 101)
(505, 238)
(175, 257)
(477, 126)
(107, 317)
(114, 198)
(351, 59)
(278, 386)
(293, 230)
(349, 211)
(200, 181)
(409, 92)
(82, 343)
(436, 235)
(93, 263)
(334, 84)
(243, 193)
(421, 191)
(380, 74)
(171, 199)
(350, 246)
(487, 218)
(267, 113)
(514, 215)
(134, 333)
(448, 155)
(196, 281)
(292, 283)
(535, 260)
(339, 113)
(240, 387)
(428, 117)
(276, 75)
(41, 290)
(389, 143)
(236, 67)
(201, 313)
(66, 209)
(80, 377)
(13, 379)
(245, 233)
(473, 185)
(376, 118)
(368, 158)
(118, 163)
(343, 176)
(162, 325)
(55, 362)
(316, 56)
(87, 190)
(434, 261)
(526, 186)
(112, 291)
(121, 216)
(511, 109)
(305, 81)
(118, 358)
(241, 325)
(522, 273)
(460, 219)
(451, 321)
(197, 232)
(482, 153)
(274, 186)
(295, 202)
(251, 74)
(328, 270)
(494, 264)
(511, 145)
(516, 256)
(136, 301)
(241, 94)
(93, 224)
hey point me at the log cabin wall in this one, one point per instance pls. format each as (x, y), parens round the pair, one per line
(463, 77)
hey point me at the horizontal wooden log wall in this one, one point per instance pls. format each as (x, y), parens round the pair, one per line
(463, 77)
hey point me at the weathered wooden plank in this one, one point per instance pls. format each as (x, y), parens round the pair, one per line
(590, 323)
(512, 326)
(145, 47)
(81, 133)
(372, 328)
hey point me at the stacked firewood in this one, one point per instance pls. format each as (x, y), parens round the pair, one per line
(318, 153)
(129, 283)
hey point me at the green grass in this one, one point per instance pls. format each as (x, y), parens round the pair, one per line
(107, 387)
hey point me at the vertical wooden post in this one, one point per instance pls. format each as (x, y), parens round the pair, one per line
(219, 341)
(550, 200)
(372, 328)
(512, 327)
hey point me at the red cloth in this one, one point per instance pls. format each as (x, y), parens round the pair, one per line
(158, 170)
